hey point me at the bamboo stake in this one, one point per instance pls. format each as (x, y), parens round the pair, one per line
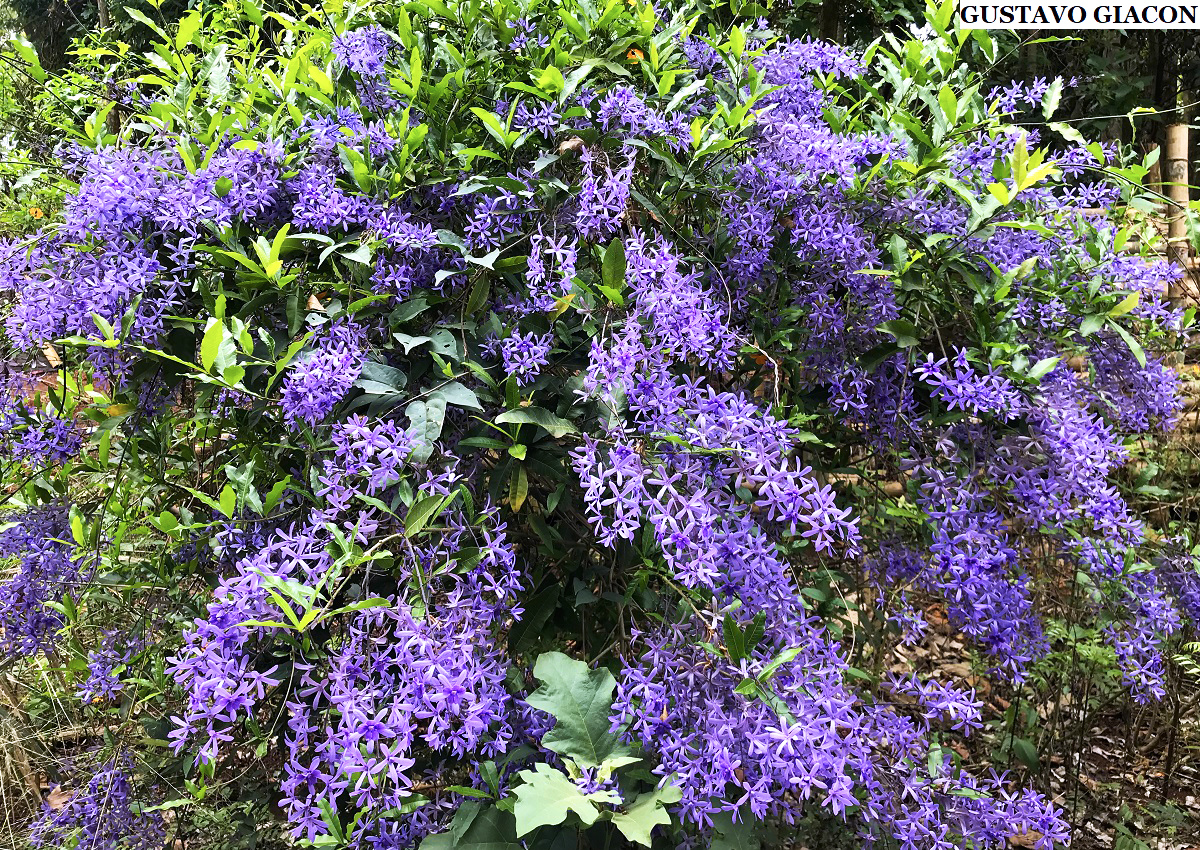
(1177, 191)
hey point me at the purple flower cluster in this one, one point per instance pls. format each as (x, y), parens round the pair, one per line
(811, 742)
(1019, 95)
(365, 51)
(603, 198)
(622, 112)
(496, 218)
(398, 685)
(48, 570)
(108, 813)
(323, 376)
(525, 35)
(416, 678)
(105, 665)
(126, 241)
(709, 445)
(218, 666)
(36, 437)
(525, 355)
(367, 456)
(542, 119)
(553, 261)
(966, 389)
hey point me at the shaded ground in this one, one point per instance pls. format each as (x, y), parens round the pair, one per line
(1128, 778)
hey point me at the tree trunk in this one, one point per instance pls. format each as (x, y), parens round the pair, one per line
(113, 120)
(831, 19)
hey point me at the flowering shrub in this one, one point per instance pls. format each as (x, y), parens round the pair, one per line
(406, 352)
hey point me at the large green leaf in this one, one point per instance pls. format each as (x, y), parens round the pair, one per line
(612, 271)
(456, 394)
(581, 701)
(426, 419)
(729, 834)
(423, 511)
(556, 425)
(476, 827)
(547, 798)
(646, 812)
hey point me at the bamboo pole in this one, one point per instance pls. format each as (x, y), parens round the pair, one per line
(1177, 192)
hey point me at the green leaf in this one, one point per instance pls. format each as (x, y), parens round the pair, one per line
(729, 834)
(747, 687)
(735, 643)
(1026, 753)
(104, 326)
(411, 342)
(949, 103)
(456, 394)
(216, 348)
(1068, 132)
(204, 497)
(551, 80)
(1127, 303)
(1000, 192)
(547, 798)
(573, 25)
(538, 610)
(1051, 98)
(612, 294)
(479, 295)
(366, 604)
(1043, 366)
(646, 812)
(77, 532)
(1135, 347)
(737, 41)
(580, 700)
(468, 791)
(778, 661)
(170, 804)
(425, 425)
(141, 18)
(486, 261)
(613, 269)
(476, 827)
(242, 479)
(384, 375)
(423, 511)
(905, 332)
(518, 487)
(1091, 324)
(445, 344)
(228, 501)
(755, 631)
(492, 123)
(556, 425)
(26, 51)
(189, 25)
